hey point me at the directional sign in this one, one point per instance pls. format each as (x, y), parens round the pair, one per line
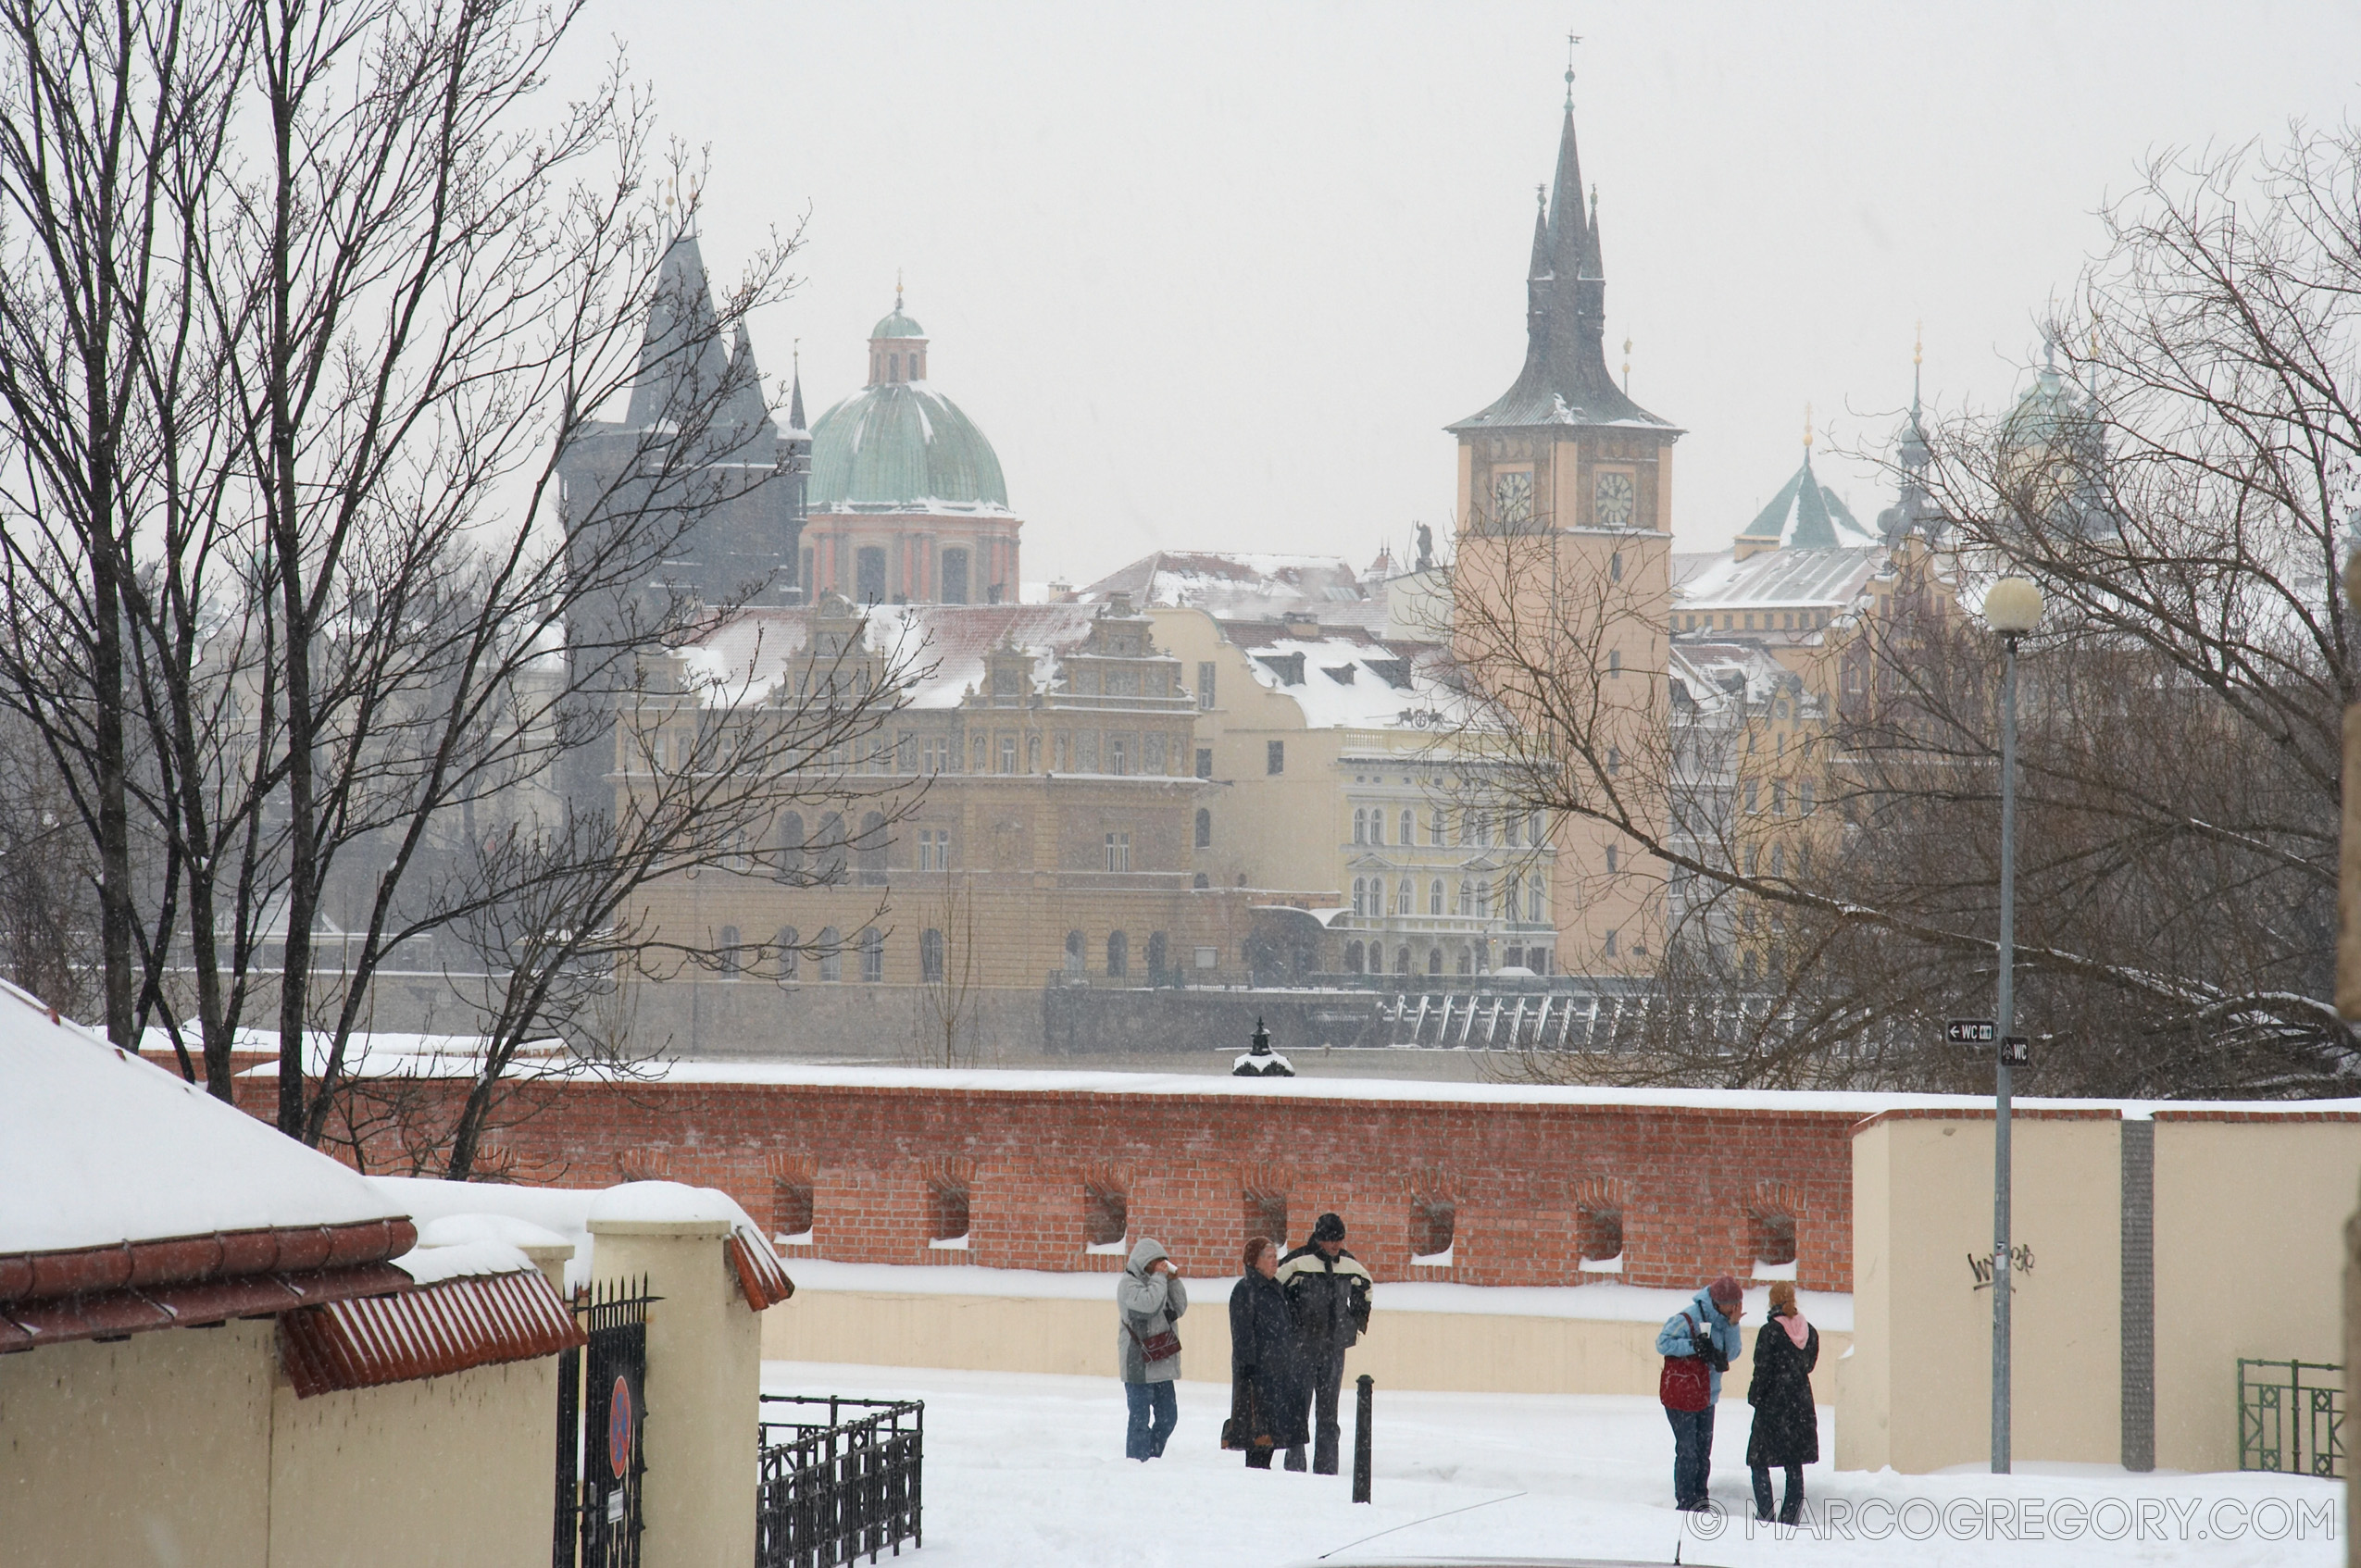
(1970, 1031)
(2016, 1052)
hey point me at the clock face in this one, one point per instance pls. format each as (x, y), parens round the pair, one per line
(1612, 499)
(1512, 497)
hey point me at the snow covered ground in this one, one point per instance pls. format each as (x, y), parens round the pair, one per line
(1028, 1470)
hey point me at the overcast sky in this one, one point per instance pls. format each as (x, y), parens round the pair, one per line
(1216, 277)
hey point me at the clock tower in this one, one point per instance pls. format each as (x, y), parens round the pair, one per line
(1563, 575)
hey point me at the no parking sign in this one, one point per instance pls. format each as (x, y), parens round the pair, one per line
(618, 1429)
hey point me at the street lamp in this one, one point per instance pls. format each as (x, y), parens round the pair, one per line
(2012, 608)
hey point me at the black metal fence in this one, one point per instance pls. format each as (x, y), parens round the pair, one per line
(2291, 1417)
(840, 1479)
(601, 1448)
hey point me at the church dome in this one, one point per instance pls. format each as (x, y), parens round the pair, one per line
(897, 326)
(902, 447)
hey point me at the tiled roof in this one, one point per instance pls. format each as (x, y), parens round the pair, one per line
(447, 1326)
(1776, 578)
(1806, 514)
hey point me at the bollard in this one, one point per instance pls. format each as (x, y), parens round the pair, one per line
(1361, 1438)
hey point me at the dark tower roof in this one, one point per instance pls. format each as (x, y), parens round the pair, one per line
(680, 360)
(1564, 380)
(745, 413)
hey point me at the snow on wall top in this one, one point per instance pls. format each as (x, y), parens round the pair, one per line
(1859, 1103)
(565, 1211)
(98, 1147)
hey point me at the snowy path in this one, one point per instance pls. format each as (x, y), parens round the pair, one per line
(1027, 1470)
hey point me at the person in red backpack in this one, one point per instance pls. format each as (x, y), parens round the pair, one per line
(1697, 1343)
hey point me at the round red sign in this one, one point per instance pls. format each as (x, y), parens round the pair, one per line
(618, 1429)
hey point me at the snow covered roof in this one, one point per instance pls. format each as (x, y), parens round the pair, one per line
(944, 644)
(1343, 678)
(1774, 579)
(1245, 586)
(99, 1148)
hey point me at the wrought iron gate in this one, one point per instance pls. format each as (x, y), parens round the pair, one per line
(838, 1485)
(2291, 1417)
(602, 1423)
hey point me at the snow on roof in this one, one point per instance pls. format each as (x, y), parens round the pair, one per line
(99, 1147)
(469, 1260)
(1779, 578)
(1244, 585)
(944, 646)
(392, 1054)
(1343, 677)
(564, 1210)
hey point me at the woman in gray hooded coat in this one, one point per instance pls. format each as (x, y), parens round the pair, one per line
(1149, 1298)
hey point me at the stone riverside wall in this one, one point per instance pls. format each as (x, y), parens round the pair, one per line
(1695, 1187)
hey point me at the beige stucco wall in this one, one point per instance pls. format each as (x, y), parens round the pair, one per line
(152, 1450)
(2249, 1244)
(445, 1471)
(704, 1379)
(1918, 1392)
(1471, 1352)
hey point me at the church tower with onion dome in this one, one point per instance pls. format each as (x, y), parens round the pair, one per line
(908, 501)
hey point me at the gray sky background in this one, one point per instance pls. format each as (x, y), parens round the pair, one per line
(1216, 276)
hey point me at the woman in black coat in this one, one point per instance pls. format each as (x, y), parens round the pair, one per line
(1267, 1392)
(1787, 1427)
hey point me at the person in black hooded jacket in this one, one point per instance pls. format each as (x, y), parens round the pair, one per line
(1329, 1291)
(1267, 1387)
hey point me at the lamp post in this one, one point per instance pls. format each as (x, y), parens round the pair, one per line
(2012, 608)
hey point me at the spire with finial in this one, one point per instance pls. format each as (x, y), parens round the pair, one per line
(1571, 40)
(1627, 365)
(1808, 433)
(795, 399)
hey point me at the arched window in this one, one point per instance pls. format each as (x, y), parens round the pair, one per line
(1483, 899)
(832, 954)
(1434, 828)
(1535, 894)
(1352, 958)
(1204, 828)
(1073, 953)
(872, 954)
(1434, 899)
(790, 959)
(830, 848)
(1409, 827)
(871, 849)
(1402, 961)
(1360, 827)
(1434, 959)
(792, 852)
(1119, 955)
(1466, 897)
(1159, 958)
(729, 955)
(1466, 962)
(1512, 831)
(931, 956)
(1360, 895)
(1405, 898)
(1377, 826)
(1778, 860)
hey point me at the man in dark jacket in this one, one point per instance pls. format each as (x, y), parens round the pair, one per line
(1329, 1291)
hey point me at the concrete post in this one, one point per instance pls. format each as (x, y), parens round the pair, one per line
(2352, 1364)
(704, 1387)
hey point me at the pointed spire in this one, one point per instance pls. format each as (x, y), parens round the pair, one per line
(746, 413)
(1540, 267)
(1592, 265)
(1568, 234)
(1808, 435)
(682, 364)
(796, 400)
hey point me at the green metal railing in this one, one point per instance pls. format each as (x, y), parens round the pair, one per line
(2291, 1417)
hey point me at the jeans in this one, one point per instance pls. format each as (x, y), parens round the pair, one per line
(1154, 1412)
(1324, 1368)
(1693, 1454)
(1789, 1509)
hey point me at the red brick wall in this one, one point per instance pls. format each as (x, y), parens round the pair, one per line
(1687, 1179)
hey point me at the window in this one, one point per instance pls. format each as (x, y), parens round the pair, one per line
(790, 1209)
(1536, 896)
(1466, 962)
(832, 954)
(1483, 899)
(978, 747)
(1118, 749)
(1360, 895)
(1033, 754)
(1157, 961)
(1275, 758)
(1610, 859)
(1267, 1214)
(790, 953)
(872, 954)
(1804, 798)
(1073, 953)
(934, 849)
(1434, 899)
(1466, 897)
(1204, 683)
(1778, 860)
(1753, 802)
(955, 576)
(1152, 755)
(1105, 1214)
(1119, 852)
(947, 1209)
(1205, 762)
(1119, 955)
(832, 848)
(1086, 750)
(1405, 898)
(1204, 828)
(790, 846)
(1615, 663)
(931, 956)
(1434, 830)
(1615, 566)
(1598, 1233)
(868, 575)
(1008, 753)
(1779, 797)
(871, 849)
(1466, 827)
(1610, 944)
(1360, 827)
(1434, 957)
(1353, 958)
(934, 755)
(1409, 827)
(1773, 1235)
(1377, 825)
(1432, 1219)
(730, 957)
(1512, 831)
(1402, 961)
(1614, 759)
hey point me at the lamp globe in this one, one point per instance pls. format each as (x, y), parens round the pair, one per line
(2013, 606)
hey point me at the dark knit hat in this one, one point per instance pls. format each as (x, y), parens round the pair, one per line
(1725, 1292)
(1329, 1228)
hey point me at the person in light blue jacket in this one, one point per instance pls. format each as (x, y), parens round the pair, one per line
(1706, 1330)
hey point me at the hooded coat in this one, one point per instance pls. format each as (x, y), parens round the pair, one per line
(1269, 1393)
(1145, 1305)
(1676, 1338)
(1787, 1429)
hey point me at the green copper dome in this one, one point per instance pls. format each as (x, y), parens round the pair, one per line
(902, 445)
(897, 326)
